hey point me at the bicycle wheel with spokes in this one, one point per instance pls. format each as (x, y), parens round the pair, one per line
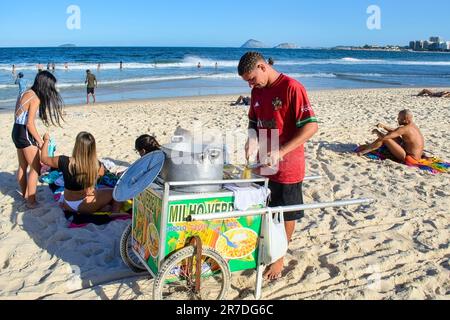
(176, 282)
(127, 254)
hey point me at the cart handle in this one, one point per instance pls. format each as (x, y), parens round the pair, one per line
(264, 211)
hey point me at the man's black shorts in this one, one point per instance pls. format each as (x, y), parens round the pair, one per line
(90, 90)
(287, 195)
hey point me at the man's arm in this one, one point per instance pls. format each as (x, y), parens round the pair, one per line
(382, 126)
(302, 135)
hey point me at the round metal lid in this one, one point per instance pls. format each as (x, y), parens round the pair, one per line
(139, 176)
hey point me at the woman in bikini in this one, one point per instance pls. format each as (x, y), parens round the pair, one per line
(42, 99)
(80, 173)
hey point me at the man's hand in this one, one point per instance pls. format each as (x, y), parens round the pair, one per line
(251, 149)
(274, 158)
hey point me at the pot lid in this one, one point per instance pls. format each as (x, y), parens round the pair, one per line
(139, 176)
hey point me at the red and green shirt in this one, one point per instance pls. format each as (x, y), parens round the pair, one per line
(285, 107)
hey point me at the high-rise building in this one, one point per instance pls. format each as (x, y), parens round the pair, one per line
(448, 45)
(412, 45)
(419, 45)
(426, 45)
(435, 39)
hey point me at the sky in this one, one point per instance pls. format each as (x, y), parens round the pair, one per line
(220, 23)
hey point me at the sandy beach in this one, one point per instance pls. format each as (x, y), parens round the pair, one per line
(396, 248)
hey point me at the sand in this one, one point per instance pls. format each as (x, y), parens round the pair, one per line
(396, 248)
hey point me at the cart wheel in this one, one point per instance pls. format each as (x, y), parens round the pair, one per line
(174, 282)
(127, 254)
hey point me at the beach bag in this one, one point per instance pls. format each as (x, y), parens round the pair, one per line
(275, 244)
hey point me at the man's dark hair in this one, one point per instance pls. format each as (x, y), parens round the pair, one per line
(249, 61)
(88, 71)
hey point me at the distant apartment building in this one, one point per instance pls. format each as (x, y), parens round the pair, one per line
(435, 44)
(435, 39)
(419, 45)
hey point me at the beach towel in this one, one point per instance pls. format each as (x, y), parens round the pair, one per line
(433, 165)
(55, 182)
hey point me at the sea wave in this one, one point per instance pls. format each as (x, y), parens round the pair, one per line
(193, 61)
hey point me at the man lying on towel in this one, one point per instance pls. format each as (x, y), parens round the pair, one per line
(406, 143)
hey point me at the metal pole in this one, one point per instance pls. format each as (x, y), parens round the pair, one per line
(211, 182)
(255, 212)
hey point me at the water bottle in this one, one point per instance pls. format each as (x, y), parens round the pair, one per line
(51, 148)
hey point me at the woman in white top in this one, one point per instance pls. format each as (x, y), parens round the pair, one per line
(44, 100)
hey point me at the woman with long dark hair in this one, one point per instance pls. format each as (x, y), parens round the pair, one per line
(41, 99)
(81, 172)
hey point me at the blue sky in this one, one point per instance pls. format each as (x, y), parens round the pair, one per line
(220, 23)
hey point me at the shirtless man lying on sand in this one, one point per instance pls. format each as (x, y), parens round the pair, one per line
(405, 143)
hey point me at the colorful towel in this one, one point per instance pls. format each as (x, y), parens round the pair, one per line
(431, 164)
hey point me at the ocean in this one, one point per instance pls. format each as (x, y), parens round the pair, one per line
(173, 72)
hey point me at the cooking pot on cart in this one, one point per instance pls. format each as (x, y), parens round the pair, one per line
(186, 161)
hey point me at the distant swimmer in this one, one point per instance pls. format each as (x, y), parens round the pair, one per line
(66, 66)
(121, 65)
(199, 65)
(13, 69)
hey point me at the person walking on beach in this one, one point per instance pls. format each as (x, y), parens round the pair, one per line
(279, 110)
(23, 84)
(91, 82)
(44, 100)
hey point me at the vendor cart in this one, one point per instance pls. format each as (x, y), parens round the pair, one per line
(191, 242)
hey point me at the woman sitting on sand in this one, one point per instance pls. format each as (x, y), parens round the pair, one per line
(146, 144)
(80, 173)
(438, 94)
(44, 100)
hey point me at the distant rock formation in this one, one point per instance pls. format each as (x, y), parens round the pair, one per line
(251, 44)
(68, 45)
(286, 46)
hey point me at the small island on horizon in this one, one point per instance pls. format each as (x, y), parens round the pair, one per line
(255, 44)
(67, 45)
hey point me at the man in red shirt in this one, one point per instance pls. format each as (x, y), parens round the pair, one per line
(283, 119)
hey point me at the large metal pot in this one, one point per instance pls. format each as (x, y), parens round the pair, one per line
(190, 162)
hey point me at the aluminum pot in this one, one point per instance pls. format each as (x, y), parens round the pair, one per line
(189, 162)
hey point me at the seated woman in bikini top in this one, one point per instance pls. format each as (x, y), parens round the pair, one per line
(80, 173)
